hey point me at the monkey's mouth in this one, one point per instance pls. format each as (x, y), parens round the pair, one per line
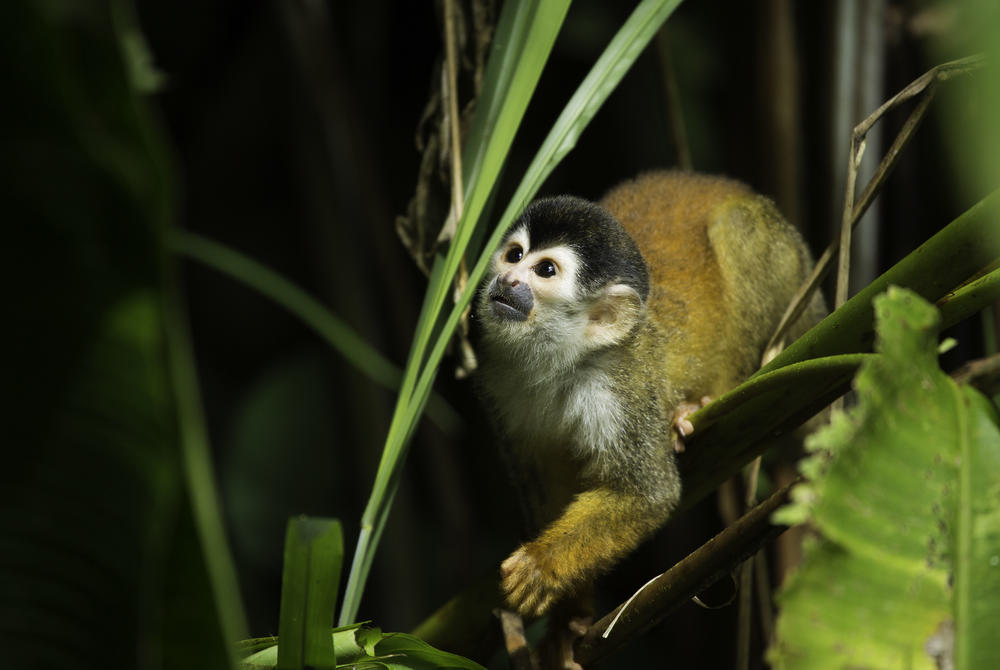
(511, 303)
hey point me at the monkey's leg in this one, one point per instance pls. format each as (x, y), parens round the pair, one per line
(596, 529)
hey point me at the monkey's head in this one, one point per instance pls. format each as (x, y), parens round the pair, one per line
(567, 278)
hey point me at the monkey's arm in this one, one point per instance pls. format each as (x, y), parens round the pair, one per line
(596, 529)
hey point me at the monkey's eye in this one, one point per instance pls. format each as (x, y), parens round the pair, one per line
(514, 254)
(545, 269)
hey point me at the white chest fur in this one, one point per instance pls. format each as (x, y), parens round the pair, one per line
(576, 411)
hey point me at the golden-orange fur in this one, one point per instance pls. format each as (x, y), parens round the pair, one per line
(723, 266)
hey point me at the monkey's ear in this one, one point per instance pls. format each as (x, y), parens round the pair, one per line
(613, 315)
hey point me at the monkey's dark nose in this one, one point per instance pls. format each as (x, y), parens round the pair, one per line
(511, 301)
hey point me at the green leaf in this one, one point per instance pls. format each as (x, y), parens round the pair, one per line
(412, 652)
(886, 496)
(314, 551)
(977, 555)
(741, 423)
(264, 651)
(143, 74)
(367, 638)
(512, 72)
(251, 646)
(971, 297)
(368, 647)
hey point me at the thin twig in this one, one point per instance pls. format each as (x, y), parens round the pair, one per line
(763, 582)
(926, 82)
(468, 359)
(938, 73)
(844, 247)
(983, 374)
(515, 641)
(743, 624)
(675, 587)
(751, 474)
(450, 94)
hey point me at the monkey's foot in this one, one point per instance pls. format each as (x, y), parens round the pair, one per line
(682, 425)
(529, 582)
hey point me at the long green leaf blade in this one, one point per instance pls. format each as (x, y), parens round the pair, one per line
(314, 551)
(520, 53)
(340, 336)
(283, 292)
(494, 109)
(524, 39)
(199, 472)
(521, 56)
(616, 60)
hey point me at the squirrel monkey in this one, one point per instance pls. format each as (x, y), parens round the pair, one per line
(601, 325)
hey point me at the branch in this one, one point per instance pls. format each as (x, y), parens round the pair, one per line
(665, 593)
(982, 374)
(515, 641)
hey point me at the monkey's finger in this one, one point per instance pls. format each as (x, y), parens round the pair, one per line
(682, 425)
(678, 439)
(546, 602)
(514, 561)
(518, 589)
(527, 601)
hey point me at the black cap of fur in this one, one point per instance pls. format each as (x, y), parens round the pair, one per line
(608, 253)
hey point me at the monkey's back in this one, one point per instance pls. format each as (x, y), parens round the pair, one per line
(723, 265)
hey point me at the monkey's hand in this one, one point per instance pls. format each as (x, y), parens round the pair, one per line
(681, 423)
(595, 530)
(530, 582)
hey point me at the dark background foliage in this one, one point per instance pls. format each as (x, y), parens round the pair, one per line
(303, 158)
